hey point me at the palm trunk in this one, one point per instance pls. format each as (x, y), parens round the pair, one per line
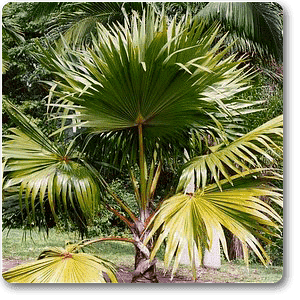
(144, 269)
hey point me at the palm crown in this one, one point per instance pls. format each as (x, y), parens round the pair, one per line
(167, 77)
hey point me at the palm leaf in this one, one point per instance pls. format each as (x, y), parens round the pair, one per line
(44, 171)
(5, 61)
(9, 27)
(46, 9)
(164, 75)
(241, 154)
(257, 25)
(188, 221)
(78, 21)
(59, 265)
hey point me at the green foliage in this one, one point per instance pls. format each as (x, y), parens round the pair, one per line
(272, 106)
(274, 249)
(21, 81)
(123, 188)
(10, 31)
(257, 26)
(77, 21)
(107, 223)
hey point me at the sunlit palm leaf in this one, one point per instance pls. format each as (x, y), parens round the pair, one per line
(241, 154)
(45, 171)
(188, 220)
(58, 265)
(167, 76)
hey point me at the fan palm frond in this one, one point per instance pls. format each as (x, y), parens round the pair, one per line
(258, 22)
(59, 265)
(45, 171)
(241, 154)
(165, 76)
(188, 220)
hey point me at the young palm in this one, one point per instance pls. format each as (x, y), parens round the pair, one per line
(153, 85)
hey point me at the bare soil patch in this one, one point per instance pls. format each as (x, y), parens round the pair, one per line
(10, 263)
(124, 276)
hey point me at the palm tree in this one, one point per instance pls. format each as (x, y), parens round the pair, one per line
(145, 90)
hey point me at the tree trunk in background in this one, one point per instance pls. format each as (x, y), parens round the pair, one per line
(185, 260)
(212, 257)
(235, 248)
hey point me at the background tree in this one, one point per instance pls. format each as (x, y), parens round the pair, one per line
(9, 30)
(76, 21)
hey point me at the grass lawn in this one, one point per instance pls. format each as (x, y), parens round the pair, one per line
(15, 247)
